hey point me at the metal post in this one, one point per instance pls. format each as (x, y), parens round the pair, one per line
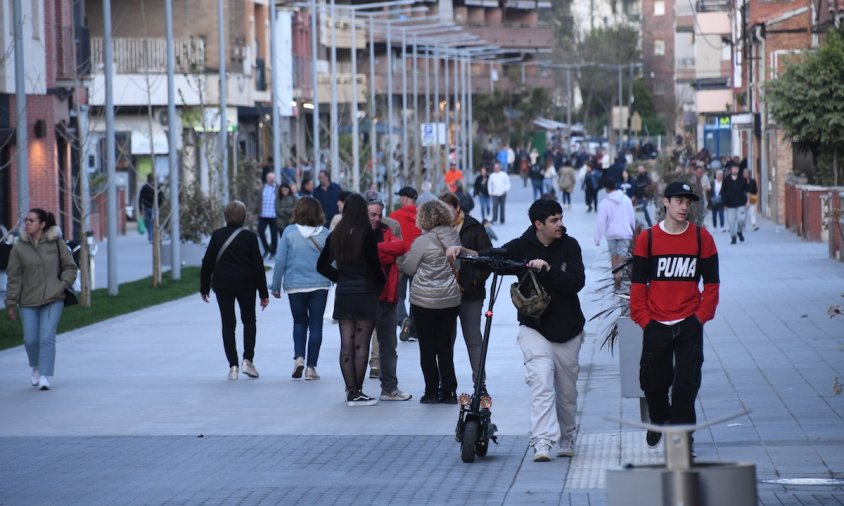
(274, 56)
(172, 155)
(355, 133)
(389, 157)
(428, 104)
(224, 134)
(315, 87)
(404, 152)
(434, 169)
(373, 133)
(471, 131)
(447, 120)
(111, 194)
(568, 99)
(417, 148)
(618, 136)
(629, 103)
(22, 131)
(465, 116)
(335, 143)
(491, 83)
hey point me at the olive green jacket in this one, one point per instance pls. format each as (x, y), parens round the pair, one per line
(33, 270)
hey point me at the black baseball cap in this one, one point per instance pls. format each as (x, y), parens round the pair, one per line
(408, 191)
(680, 189)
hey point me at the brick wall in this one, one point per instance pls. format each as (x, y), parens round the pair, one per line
(659, 68)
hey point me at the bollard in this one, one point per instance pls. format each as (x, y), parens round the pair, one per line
(681, 481)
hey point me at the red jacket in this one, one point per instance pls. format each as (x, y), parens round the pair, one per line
(390, 247)
(666, 276)
(406, 216)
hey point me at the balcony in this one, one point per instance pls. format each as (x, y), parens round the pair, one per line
(65, 55)
(260, 75)
(149, 55)
(519, 38)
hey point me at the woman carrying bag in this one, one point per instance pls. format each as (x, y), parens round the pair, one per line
(435, 299)
(234, 268)
(40, 271)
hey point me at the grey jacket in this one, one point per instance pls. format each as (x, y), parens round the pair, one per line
(33, 271)
(434, 285)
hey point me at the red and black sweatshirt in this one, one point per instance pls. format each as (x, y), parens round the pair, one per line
(667, 270)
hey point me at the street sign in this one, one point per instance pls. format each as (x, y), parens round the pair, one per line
(431, 134)
(636, 123)
(619, 117)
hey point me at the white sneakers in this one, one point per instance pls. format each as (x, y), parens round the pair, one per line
(249, 369)
(298, 367)
(43, 383)
(566, 447)
(541, 451)
(395, 395)
(311, 374)
(36, 374)
(233, 373)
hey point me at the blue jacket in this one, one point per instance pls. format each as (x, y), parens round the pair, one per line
(328, 197)
(295, 262)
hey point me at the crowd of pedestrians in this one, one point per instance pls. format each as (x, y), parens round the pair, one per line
(324, 240)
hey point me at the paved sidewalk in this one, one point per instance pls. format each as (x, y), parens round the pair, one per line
(141, 412)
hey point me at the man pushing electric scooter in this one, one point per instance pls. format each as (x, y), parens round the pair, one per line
(550, 331)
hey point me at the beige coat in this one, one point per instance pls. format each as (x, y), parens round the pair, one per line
(434, 285)
(33, 270)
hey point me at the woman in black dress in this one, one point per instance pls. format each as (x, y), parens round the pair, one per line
(350, 259)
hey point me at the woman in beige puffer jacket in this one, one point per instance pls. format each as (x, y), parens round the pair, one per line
(435, 300)
(40, 268)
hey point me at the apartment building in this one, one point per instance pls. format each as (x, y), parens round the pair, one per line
(53, 37)
(776, 33)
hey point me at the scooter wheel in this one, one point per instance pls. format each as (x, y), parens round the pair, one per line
(482, 448)
(470, 436)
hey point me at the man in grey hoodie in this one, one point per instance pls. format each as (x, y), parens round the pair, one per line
(616, 221)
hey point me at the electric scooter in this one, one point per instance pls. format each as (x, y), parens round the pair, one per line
(474, 425)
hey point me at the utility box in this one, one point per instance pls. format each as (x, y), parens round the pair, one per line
(629, 354)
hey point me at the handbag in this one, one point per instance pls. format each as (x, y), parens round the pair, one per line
(530, 299)
(70, 298)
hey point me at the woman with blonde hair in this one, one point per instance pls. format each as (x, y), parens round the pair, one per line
(234, 268)
(40, 270)
(435, 299)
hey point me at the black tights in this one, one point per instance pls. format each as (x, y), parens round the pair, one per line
(355, 336)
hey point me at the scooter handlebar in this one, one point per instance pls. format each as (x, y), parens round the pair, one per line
(497, 264)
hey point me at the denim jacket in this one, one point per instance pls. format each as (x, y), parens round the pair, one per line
(295, 263)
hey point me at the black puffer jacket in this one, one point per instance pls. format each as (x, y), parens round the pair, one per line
(734, 192)
(473, 280)
(563, 319)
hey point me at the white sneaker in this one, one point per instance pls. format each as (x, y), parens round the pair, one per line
(541, 452)
(311, 374)
(43, 383)
(233, 373)
(395, 395)
(298, 367)
(249, 369)
(566, 447)
(36, 374)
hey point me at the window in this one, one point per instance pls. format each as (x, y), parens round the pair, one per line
(659, 47)
(659, 88)
(36, 19)
(659, 8)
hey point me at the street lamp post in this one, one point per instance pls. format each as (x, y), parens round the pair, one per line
(315, 87)
(355, 133)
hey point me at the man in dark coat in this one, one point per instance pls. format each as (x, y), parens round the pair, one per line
(327, 193)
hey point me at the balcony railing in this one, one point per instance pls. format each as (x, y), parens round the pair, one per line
(141, 55)
(65, 54)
